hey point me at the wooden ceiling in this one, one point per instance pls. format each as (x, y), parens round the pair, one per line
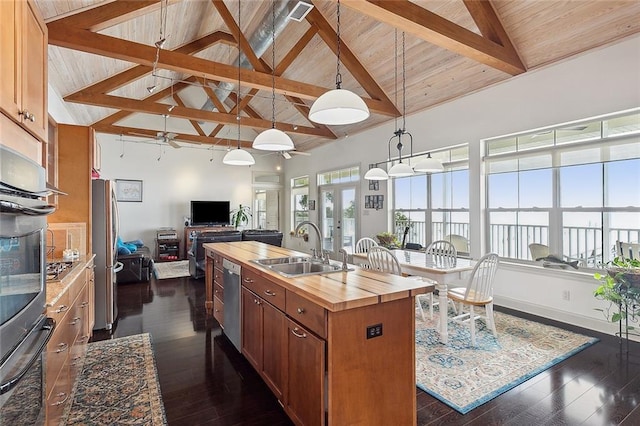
(102, 58)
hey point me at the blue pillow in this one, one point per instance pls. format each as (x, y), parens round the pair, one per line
(123, 250)
(137, 243)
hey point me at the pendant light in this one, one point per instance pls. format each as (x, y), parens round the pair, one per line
(376, 173)
(429, 165)
(273, 139)
(338, 106)
(238, 157)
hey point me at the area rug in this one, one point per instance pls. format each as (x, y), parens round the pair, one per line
(164, 270)
(118, 384)
(465, 378)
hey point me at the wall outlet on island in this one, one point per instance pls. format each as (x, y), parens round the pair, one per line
(566, 295)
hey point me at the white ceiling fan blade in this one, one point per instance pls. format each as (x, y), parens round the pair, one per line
(171, 135)
(300, 153)
(173, 143)
(286, 155)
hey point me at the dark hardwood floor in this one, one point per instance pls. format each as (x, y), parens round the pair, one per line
(205, 381)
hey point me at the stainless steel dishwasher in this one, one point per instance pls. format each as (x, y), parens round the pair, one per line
(232, 302)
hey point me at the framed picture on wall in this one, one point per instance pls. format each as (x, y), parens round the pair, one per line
(129, 190)
(374, 185)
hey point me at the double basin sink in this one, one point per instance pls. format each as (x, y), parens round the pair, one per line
(295, 266)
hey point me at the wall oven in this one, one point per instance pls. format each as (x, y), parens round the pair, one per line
(23, 328)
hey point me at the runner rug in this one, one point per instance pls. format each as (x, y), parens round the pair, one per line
(177, 269)
(464, 377)
(118, 385)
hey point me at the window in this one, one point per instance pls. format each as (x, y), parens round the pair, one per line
(434, 206)
(351, 174)
(299, 200)
(573, 188)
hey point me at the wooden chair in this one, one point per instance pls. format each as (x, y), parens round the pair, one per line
(443, 253)
(628, 250)
(459, 242)
(364, 244)
(538, 250)
(383, 260)
(479, 292)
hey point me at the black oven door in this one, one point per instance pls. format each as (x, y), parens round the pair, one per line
(22, 385)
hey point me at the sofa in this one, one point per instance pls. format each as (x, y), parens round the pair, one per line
(196, 255)
(136, 266)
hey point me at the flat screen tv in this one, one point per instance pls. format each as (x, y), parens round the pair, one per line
(210, 213)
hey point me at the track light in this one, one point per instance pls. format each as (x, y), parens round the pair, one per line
(160, 43)
(171, 107)
(151, 89)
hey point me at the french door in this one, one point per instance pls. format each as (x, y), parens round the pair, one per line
(338, 217)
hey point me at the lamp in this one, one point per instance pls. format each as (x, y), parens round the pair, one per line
(338, 106)
(376, 173)
(238, 157)
(273, 139)
(428, 165)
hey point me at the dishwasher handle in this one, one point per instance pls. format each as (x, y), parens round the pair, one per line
(230, 267)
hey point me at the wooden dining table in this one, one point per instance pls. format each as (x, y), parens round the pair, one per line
(445, 274)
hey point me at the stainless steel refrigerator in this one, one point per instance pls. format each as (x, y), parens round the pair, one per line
(105, 229)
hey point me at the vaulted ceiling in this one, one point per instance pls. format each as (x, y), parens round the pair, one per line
(103, 58)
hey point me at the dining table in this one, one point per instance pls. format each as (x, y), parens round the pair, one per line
(443, 272)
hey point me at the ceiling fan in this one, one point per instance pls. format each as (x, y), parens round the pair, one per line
(164, 136)
(287, 154)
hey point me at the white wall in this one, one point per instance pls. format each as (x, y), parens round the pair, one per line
(181, 175)
(602, 81)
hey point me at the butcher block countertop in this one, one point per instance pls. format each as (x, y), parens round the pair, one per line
(336, 291)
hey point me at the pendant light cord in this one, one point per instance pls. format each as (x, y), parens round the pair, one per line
(273, 64)
(395, 75)
(338, 75)
(404, 97)
(238, 96)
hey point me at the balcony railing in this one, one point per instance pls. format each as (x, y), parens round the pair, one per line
(512, 241)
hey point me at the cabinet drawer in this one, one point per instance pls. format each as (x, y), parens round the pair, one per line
(217, 261)
(269, 291)
(218, 291)
(218, 276)
(218, 310)
(58, 350)
(59, 396)
(307, 313)
(76, 287)
(60, 308)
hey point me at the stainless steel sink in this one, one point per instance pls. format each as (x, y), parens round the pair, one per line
(296, 266)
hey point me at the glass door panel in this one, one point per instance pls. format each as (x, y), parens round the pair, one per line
(338, 217)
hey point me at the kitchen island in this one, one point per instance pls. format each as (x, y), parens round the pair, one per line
(335, 348)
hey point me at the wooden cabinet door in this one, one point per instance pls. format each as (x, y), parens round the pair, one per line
(274, 348)
(11, 16)
(304, 400)
(252, 328)
(34, 73)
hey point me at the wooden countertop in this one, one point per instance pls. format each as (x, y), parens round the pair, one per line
(57, 287)
(336, 291)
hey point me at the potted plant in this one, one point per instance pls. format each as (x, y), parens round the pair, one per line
(240, 216)
(387, 239)
(621, 287)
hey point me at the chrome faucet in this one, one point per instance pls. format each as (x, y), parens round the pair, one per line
(345, 266)
(317, 253)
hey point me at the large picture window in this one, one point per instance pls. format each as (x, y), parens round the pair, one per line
(573, 189)
(435, 206)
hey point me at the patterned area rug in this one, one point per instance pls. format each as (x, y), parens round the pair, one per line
(164, 270)
(465, 378)
(118, 384)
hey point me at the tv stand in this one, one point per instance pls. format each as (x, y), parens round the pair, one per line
(190, 231)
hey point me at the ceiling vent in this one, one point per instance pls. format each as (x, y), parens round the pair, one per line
(299, 11)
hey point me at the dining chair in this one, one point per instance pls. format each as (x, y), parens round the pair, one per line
(538, 251)
(443, 254)
(460, 243)
(364, 244)
(478, 292)
(383, 260)
(628, 250)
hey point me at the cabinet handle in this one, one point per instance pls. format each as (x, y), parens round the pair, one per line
(301, 310)
(301, 336)
(269, 293)
(28, 116)
(60, 395)
(256, 301)
(75, 321)
(62, 347)
(247, 280)
(84, 304)
(62, 308)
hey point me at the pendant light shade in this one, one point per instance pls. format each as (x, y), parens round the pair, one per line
(273, 140)
(400, 170)
(238, 157)
(376, 173)
(338, 106)
(429, 165)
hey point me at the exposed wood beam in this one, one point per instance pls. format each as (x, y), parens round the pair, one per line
(133, 131)
(489, 24)
(428, 26)
(348, 58)
(194, 123)
(100, 44)
(117, 102)
(296, 50)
